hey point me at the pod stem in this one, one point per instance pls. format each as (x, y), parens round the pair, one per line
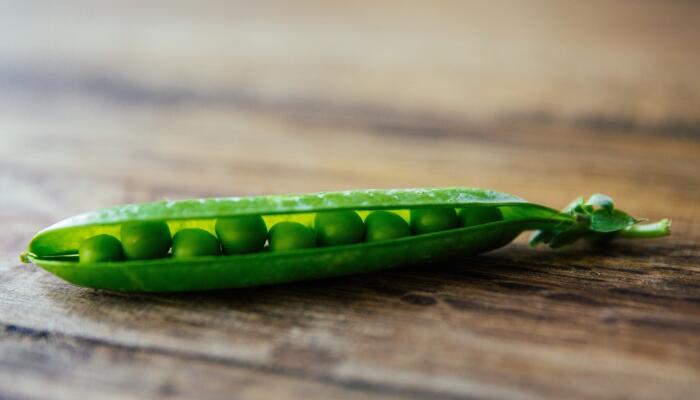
(597, 220)
(647, 231)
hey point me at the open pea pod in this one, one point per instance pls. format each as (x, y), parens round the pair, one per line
(55, 248)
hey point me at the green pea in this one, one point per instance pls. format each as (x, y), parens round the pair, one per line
(472, 216)
(101, 248)
(385, 225)
(146, 239)
(195, 242)
(290, 236)
(338, 227)
(241, 235)
(429, 220)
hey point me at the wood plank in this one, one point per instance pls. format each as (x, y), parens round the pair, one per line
(620, 58)
(509, 154)
(66, 367)
(582, 318)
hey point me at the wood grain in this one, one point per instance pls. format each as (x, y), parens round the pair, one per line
(110, 103)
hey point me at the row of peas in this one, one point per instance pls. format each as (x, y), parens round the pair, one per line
(249, 234)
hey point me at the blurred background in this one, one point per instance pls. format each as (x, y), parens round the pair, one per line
(110, 102)
(131, 101)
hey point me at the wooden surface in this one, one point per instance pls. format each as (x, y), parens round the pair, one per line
(108, 103)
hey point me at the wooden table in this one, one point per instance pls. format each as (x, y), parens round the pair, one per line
(102, 104)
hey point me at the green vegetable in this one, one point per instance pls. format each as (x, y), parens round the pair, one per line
(195, 242)
(101, 248)
(145, 239)
(291, 236)
(240, 235)
(335, 228)
(472, 216)
(56, 248)
(429, 220)
(385, 225)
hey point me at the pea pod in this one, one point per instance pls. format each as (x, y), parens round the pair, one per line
(55, 248)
